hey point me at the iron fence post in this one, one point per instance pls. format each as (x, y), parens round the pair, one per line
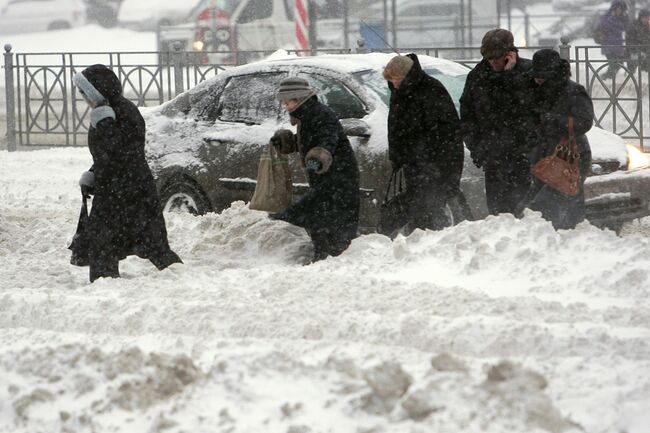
(10, 99)
(565, 48)
(177, 59)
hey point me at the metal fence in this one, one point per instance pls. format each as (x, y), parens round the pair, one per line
(44, 108)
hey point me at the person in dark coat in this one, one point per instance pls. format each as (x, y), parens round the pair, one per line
(612, 26)
(557, 98)
(637, 41)
(126, 216)
(423, 140)
(329, 211)
(496, 120)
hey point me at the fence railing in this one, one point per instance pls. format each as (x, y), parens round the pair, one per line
(44, 109)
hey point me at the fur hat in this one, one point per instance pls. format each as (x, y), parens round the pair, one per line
(496, 43)
(294, 88)
(547, 64)
(398, 66)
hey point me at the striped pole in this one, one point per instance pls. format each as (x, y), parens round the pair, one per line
(302, 26)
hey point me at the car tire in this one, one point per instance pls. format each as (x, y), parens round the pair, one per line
(58, 25)
(183, 195)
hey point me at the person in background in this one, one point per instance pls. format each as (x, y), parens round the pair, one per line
(126, 217)
(612, 27)
(637, 41)
(329, 211)
(496, 120)
(556, 98)
(424, 141)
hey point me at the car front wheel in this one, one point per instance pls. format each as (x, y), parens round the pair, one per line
(184, 196)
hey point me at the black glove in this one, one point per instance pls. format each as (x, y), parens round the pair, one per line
(276, 141)
(313, 165)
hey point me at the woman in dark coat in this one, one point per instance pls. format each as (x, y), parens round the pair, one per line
(329, 211)
(126, 216)
(424, 140)
(557, 98)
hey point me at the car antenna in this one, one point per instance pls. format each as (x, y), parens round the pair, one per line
(378, 35)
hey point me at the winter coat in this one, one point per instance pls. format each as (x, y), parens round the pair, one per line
(332, 202)
(612, 28)
(496, 118)
(126, 216)
(554, 102)
(424, 128)
(638, 34)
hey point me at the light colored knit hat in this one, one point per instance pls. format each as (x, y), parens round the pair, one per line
(294, 88)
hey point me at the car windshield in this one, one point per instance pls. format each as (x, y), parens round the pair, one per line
(228, 6)
(374, 80)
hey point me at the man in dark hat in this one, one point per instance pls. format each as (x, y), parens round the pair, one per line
(495, 120)
(329, 211)
(637, 41)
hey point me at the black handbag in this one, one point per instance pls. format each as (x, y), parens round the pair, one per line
(79, 244)
(393, 213)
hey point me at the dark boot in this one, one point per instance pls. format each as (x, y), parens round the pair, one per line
(104, 270)
(162, 261)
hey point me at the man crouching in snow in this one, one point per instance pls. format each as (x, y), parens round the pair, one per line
(329, 211)
(126, 216)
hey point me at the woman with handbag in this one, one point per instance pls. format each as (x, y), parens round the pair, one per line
(329, 211)
(126, 217)
(564, 113)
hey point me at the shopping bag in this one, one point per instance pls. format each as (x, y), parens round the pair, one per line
(274, 190)
(79, 244)
(393, 212)
(561, 169)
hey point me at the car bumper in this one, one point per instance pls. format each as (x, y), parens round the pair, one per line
(615, 198)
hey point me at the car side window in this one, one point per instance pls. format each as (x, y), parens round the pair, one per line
(337, 96)
(256, 10)
(250, 98)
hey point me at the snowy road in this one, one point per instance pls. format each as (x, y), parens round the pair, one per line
(501, 325)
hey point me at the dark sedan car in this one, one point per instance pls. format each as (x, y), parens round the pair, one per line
(204, 145)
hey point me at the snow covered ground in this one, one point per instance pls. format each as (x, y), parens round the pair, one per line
(500, 325)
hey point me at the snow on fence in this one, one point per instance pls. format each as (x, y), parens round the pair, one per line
(44, 109)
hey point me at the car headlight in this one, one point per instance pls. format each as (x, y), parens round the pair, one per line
(636, 159)
(198, 45)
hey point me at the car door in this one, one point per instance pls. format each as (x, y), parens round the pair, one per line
(246, 114)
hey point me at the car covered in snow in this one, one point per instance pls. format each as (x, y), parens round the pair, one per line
(24, 16)
(204, 145)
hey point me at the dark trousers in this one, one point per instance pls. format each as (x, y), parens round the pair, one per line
(503, 191)
(426, 198)
(327, 243)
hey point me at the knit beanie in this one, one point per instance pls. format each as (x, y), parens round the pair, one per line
(294, 88)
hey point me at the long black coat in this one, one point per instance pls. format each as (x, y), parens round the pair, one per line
(423, 128)
(555, 100)
(126, 216)
(496, 119)
(332, 201)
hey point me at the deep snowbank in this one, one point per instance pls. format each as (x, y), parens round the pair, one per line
(501, 325)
